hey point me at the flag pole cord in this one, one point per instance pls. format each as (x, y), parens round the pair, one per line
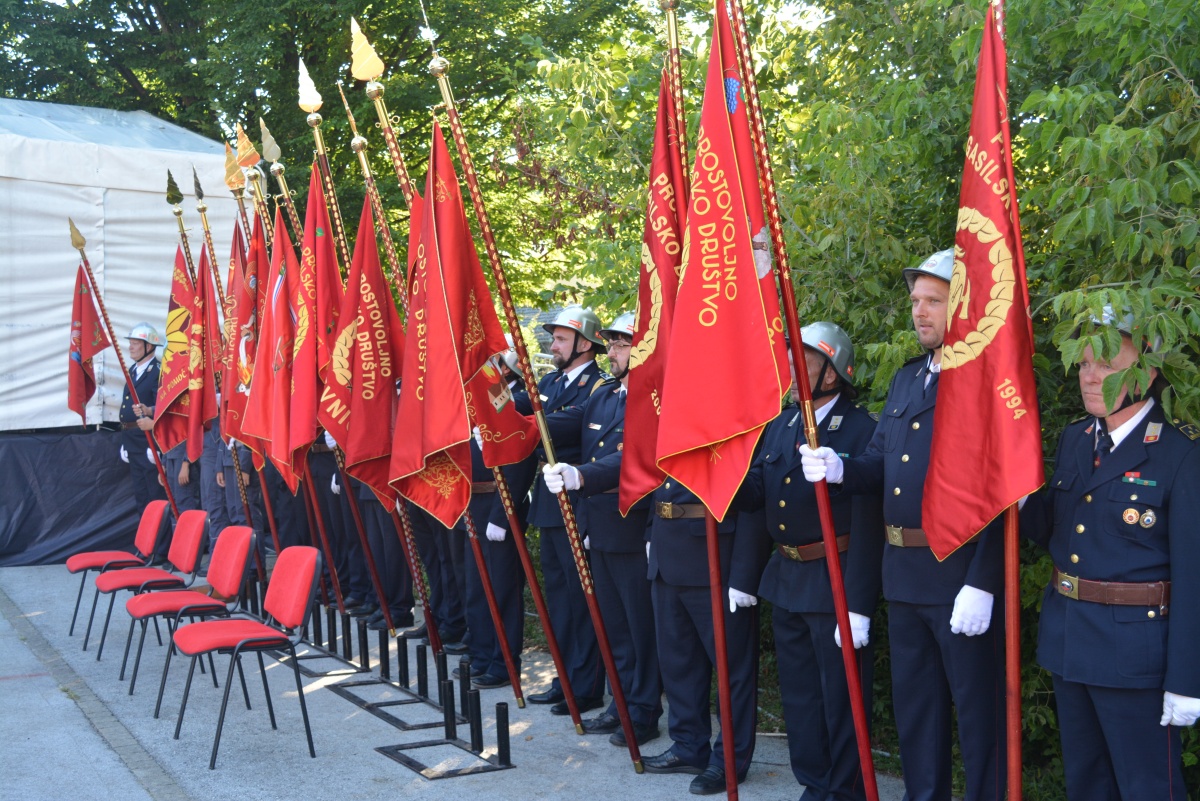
(825, 510)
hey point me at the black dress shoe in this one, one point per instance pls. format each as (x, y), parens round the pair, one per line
(606, 723)
(489, 682)
(364, 610)
(350, 602)
(669, 762)
(643, 735)
(455, 647)
(471, 672)
(710, 782)
(551, 696)
(585, 705)
(413, 634)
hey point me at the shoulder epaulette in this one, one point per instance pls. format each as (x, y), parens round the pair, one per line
(1189, 430)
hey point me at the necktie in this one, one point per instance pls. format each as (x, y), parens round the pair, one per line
(1103, 444)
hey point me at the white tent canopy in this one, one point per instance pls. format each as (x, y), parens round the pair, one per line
(107, 170)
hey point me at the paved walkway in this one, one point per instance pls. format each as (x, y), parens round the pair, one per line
(73, 731)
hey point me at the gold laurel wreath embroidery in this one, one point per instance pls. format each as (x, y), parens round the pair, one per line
(474, 336)
(340, 357)
(196, 358)
(1001, 294)
(301, 324)
(645, 348)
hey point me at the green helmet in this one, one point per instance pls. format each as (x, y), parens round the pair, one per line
(582, 321)
(829, 339)
(939, 265)
(146, 333)
(624, 324)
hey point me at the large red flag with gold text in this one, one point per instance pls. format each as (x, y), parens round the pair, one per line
(726, 312)
(987, 439)
(662, 256)
(171, 403)
(450, 338)
(247, 277)
(87, 339)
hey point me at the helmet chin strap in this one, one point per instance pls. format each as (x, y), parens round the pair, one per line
(819, 390)
(575, 352)
(621, 375)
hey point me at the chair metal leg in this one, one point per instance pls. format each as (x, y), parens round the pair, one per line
(163, 684)
(242, 678)
(112, 598)
(312, 752)
(125, 657)
(78, 598)
(137, 660)
(212, 668)
(87, 634)
(157, 633)
(262, 669)
(235, 660)
(186, 689)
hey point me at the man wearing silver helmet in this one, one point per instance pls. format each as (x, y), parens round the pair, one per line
(946, 655)
(137, 413)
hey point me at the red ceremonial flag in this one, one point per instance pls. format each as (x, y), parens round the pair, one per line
(508, 436)
(358, 399)
(662, 254)
(987, 439)
(268, 409)
(247, 277)
(203, 344)
(172, 403)
(450, 338)
(87, 339)
(318, 241)
(726, 311)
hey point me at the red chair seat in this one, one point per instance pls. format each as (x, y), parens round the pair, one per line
(135, 577)
(216, 635)
(150, 604)
(92, 560)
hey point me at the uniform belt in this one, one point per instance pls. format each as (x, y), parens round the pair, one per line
(320, 447)
(481, 487)
(911, 537)
(678, 511)
(127, 426)
(812, 551)
(1114, 593)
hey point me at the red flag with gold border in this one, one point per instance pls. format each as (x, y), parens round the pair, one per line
(172, 402)
(87, 339)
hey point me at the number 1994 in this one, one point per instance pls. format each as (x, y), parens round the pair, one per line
(1009, 393)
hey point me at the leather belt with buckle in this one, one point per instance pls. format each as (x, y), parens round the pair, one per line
(480, 487)
(678, 511)
(812, 551)
(320, 447)
(911, 537)
(127, 426)
(1114, 593)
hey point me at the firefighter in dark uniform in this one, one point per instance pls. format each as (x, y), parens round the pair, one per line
(944, 649)
(500, 557)
(1120, 623)
(816, 703)
(616, 544)
(576, 333)
(137, 413)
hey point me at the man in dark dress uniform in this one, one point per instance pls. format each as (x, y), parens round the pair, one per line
(576, 333)
(137, 413)
(816, 701)
(616, 544)
(1120, 624)
(944, 649)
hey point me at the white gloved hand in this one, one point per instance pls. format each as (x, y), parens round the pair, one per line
(561, 476)
(478, 437)
(149, 456)
(124, 455)
(1179, 710)
(1021, 502)
(647, 551)
(587, 543)
(496, 533)
(334, 486)
(860, 630)
(972, 611)
(822, 463)
(330, 442)
(738, 598)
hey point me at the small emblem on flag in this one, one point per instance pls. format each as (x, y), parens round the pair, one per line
(732, 87)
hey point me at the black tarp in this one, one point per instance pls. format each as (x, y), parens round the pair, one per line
(61, 492)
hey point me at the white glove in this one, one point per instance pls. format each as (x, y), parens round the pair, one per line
(647, 551)
(561, 476)
(587, 543)
(822, 463)
(149, 456)
(972, 611)
(738, 598)
(496, 533)
(860, 630)
(1179, 710)
(334, 486)
(330, 442)
(124, 455)
(478, 437)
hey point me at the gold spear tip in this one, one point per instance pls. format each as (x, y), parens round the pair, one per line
(365, 64)
(234, 179)
(247, 154)
(271, 150)
(196, 185)
(174, 196)
(77, 240)
(310, 98)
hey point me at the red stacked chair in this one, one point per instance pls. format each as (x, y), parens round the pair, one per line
(226, 576)
(152, 524)
(288, 604)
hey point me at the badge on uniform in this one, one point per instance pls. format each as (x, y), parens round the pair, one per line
(1148, 519)
(594, 426)
(1130, 516)
(1152, 432)
(582, 382)
(835, 423)
(620, 447)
